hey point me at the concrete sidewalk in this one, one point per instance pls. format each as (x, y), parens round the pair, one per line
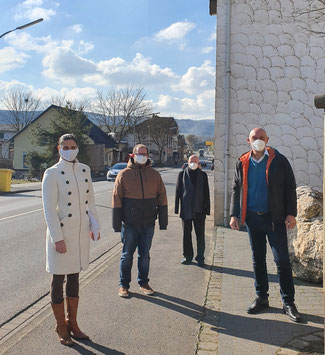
(195, 310)
(228, 329)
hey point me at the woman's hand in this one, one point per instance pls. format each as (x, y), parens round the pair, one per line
(61, 247)
(93, 237)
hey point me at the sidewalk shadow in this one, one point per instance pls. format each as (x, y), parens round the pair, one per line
(247, 327)
(100, 349)
(250, 274)
(267, 331)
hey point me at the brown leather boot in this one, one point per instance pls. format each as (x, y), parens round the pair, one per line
(61, 327)
(71, 321)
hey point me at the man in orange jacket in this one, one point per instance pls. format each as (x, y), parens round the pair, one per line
(264, 194)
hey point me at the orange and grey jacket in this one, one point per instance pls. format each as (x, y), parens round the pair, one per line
(281, 187)
(139, 196)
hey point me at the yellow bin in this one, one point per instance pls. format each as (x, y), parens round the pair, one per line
(5, 179)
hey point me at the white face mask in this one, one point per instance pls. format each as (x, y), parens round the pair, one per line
(258, 145)
(140, 159)
(193, 165)
(69, 154)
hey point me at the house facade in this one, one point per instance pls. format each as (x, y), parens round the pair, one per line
(270, 61)
(101, 148)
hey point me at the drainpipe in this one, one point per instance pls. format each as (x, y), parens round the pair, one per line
(320, 103)
(227, 113)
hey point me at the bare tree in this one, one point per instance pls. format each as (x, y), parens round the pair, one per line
(120, 111)
(161, 131)
(192, 141)
(315, 9)
(22, 106)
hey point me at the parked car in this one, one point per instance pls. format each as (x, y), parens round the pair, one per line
(114, 170)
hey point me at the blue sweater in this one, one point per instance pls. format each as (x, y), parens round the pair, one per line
(257, 199)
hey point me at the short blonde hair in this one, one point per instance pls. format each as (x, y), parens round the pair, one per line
(138, 146)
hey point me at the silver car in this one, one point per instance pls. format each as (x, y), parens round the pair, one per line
(114, 170)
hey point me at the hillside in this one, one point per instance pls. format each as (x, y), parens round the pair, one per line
(201, 128)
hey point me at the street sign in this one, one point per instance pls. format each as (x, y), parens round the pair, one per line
(208, 143)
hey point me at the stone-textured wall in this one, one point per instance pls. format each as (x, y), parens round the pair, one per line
(277, 67)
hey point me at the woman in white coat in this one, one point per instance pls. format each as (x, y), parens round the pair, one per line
(69, 207)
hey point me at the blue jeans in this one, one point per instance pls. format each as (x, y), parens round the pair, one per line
(132, 238)
(258, 228)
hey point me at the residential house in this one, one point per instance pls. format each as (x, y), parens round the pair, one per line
(102, 149)
(160, 135)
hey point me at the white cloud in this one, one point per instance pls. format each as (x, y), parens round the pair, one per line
(207, 50)
(175, 33)
(75, 28)
(85, 47)
(10, 59)
(213, 36)
(24, 41)
(197, 79)
(29, 3)
(66, 65)
(201, 107)
(32, 10)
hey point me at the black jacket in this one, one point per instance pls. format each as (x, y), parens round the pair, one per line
(281, 187)
(201, 200)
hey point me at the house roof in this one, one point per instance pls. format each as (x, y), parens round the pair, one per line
(96, 134)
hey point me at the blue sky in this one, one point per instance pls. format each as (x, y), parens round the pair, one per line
(166, 47)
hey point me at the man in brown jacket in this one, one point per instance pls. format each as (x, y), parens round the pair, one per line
(139, 197)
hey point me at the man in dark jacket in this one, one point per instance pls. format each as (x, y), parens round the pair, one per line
(264, 193)
(139, 196)
(192, 192)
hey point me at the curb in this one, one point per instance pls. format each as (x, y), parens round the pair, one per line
(207, 341)
(20, 325)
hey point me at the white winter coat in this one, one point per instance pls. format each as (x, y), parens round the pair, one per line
(67, 199)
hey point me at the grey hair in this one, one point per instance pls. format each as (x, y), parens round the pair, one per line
(67, 137)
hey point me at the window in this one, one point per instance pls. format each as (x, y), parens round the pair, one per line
(2, 135)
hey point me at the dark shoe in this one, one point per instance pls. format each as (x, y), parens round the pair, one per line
(291, 311)
(186, 261)
(258, 305)
(200, 261)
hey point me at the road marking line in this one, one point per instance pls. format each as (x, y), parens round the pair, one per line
(40, 209)
(21, 214)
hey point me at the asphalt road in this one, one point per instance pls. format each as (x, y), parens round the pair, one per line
(23, 278)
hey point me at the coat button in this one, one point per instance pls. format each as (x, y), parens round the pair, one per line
(84, 170)
(62, 172)
(69, 193)
(86, 180)
(67, 182)
(87, 191)
(86, 202)
(70, 215)
(61, 224)
(69, 203)
(86, 212)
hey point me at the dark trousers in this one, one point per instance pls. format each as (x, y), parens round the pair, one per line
(71, 287)
(258, 228)
(199, 227)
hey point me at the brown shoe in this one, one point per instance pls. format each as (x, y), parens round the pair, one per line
(147, 290)
(61, 327)
(123, 292)
(71, 321)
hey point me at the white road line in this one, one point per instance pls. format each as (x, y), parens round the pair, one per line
(40, 209)
(21, 214)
